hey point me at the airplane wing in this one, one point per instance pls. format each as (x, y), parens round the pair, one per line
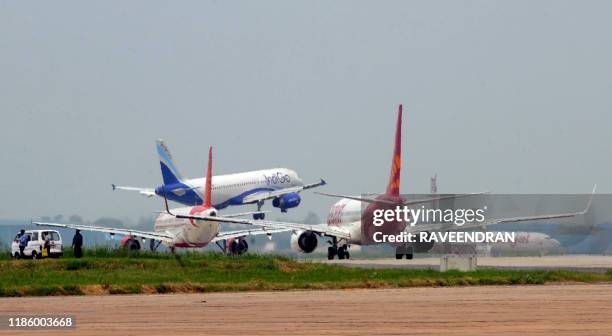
(149, 192)
(266, 195)
(240, 214)
(243, 233)
(484, 224)
(321, 229)
(404, 203)
(126, 232)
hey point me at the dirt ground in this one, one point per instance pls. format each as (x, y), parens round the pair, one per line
(549, 309)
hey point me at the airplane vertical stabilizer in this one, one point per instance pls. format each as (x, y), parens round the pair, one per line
(393, 187)
(169, 172)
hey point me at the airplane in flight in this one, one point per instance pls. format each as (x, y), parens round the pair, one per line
(350, 220)
(281, 185)
(186, 233)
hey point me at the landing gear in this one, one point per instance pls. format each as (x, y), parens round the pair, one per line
(343, 252)
(154, 244)
(335, 250)
(259, 215)
(331, 252)
(402, 250)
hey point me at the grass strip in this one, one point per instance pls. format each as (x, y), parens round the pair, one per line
(121, 272)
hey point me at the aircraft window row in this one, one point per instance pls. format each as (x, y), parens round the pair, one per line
(215, 187)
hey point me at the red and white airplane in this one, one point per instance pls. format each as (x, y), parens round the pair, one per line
(177, 228)
(350, 220)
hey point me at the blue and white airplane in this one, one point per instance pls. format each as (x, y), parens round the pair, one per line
(281, 185)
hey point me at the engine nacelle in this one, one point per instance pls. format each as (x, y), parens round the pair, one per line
(236, 246)
(287, 201)
(304, 241)
(130, 243)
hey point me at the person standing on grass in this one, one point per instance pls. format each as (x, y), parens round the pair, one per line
(47, 244)
(77, 244)
(23, 242)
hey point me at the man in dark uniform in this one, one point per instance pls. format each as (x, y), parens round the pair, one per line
(77, 244)
(23, 242)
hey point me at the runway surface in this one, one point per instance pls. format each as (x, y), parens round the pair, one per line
(547, 309)
(580, 263)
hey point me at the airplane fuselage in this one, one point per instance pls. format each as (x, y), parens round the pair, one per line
(356, 218)
(187, 232)
(230, 189)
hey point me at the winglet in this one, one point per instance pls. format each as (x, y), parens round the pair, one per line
(208, 186)
(588, 206)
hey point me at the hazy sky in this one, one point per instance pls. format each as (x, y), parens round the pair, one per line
(511, 97)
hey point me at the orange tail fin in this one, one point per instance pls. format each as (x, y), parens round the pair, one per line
(208, 186)
(394, 180)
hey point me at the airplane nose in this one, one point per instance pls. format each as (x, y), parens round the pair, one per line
(556, 246)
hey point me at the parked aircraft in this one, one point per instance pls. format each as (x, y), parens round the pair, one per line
(526, 243)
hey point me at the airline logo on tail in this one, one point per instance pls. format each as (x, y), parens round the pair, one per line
(170, 174)
(394, 180)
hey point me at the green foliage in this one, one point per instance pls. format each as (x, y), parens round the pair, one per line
(103, 271)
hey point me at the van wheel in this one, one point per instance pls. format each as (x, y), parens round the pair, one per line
(17, 255)
(34, 255)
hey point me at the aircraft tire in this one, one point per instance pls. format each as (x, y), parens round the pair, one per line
(341, 253)
(331, 253)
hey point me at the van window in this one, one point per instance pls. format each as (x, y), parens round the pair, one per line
(55, 236)
(34, 236)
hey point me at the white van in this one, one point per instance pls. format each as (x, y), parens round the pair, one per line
(35, 246)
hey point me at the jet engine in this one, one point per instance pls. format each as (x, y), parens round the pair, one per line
(287, 201)
(236, 246)
(130, 243)
(304, 241)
